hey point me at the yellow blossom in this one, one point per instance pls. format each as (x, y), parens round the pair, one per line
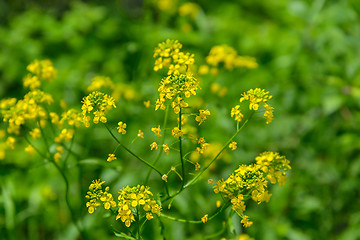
(147, 103)
(166, 148)
(30, 150)
(154, 146)
(205, 218)
(202, 116)
(235, 111)
(140, 134)
(99, 104)
(176, 132)
(134, 197)
(246, 222)
(10, 141)
(233, 146)
(99, 82)
(164, 177)
(35, 133)
(156, 131)
(57, 157)
(111, 157)
(121, 127)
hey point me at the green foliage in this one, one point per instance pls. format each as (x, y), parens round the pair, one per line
(307, 53)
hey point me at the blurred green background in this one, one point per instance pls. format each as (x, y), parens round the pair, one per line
(309, 59)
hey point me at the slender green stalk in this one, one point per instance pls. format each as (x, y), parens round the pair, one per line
(181, 156)
(51, 159)
(136, 156)
(131, 152)
(194, 180)
(161, 143)
(197, 221)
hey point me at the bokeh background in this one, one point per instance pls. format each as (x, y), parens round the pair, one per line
(309, 59)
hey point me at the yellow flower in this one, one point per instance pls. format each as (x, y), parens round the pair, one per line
(43, 69)
(111, 157)
(30, 150)
(229, 57)
(10, 141)
(176, 132)
(60, 149)
(197, 166)
(100, 81)
(246, 222)
(156, 131)
(256, 98)
(147, 103)
(164, 177)
(202, 116)
(57, 157)
(140, 134)
(154, 145)
(269, 113)
(166, 148)
(233, 146)
(235, 111)
(130, 198)
(168, 55)
(205, 218)
(121, 127)
(98, 103)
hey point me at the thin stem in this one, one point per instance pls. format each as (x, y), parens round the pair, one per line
(181, 155)
(51, 159)
(217, 155)
(136, 156)
(197, 221)
(161, 143)
(131, 152)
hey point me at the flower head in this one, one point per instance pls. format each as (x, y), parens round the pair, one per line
(136, 197)
(156, 131)
(99, 104)
(111, 157)
(202, 116)
(121, 127)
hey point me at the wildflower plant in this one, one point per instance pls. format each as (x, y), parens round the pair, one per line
(178, 138)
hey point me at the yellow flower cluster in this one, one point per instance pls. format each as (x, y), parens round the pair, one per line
(202, 116)
(176, 87)
(98, 103)
(135, 198)
(203, 145)
(251, 180)
(273, 164)
(99, 82)
(16, 113)
(43, 69)
(73, 117)
(168, 55)
(189, 9)
(235, 112)
(97, 196)
(176, 132)
(229, 57)
(256, 97)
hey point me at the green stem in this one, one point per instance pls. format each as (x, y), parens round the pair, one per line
(161, 143)
(181, 156)
(51, 159)
(131, 152)
(197, 221)
(194, 180)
